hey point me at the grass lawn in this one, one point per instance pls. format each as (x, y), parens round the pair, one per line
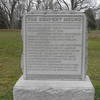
(94, 31)
(10, 71)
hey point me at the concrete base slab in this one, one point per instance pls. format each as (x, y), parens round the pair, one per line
(53, 90)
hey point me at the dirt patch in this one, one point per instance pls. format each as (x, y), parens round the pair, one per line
(10, 30)
(94, 36)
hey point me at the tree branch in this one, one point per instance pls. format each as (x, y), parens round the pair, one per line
(7, 11)
(66, 4)
(59, 4)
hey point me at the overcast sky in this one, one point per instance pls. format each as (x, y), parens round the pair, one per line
(98, 1)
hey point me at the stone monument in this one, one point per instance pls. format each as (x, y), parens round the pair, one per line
(54, 57)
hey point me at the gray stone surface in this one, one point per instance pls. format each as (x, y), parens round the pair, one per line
(54, 45)
(53, 90)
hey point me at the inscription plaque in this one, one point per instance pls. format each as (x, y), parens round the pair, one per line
(54, 45)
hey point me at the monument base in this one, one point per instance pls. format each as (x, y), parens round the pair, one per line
(53, 90)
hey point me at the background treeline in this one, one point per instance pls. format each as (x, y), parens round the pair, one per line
(12, 11)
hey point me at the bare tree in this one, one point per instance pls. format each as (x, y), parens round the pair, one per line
(62, 4)
(13, 10)
(77, 4)
(52, 4)
(28, 4)
(7, 11)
